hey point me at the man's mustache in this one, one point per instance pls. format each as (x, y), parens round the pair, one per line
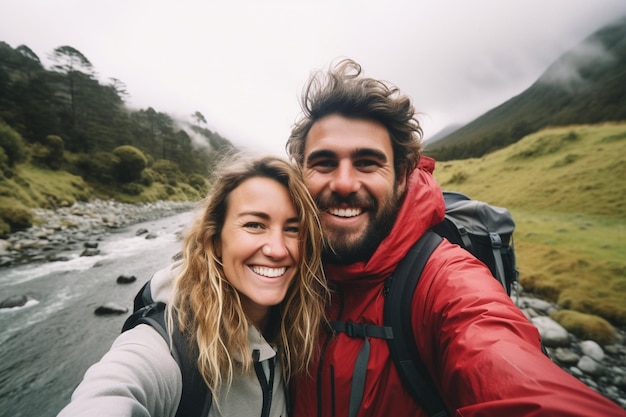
(353, 200)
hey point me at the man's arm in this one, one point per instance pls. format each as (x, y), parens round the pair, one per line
(483, 353)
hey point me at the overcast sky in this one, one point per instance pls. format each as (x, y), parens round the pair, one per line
(243, 63)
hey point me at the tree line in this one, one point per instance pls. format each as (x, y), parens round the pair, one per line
(89, 117)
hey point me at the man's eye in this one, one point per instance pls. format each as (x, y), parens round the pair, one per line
(324, 164)
(367, 165)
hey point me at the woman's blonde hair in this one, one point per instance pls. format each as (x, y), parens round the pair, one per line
(208, 310)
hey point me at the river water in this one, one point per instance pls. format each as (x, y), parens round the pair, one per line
(47, 345)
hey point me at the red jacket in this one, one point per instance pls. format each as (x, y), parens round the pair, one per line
(483, 353)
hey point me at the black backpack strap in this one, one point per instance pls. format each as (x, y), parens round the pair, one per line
(196, 399)
(397, 315)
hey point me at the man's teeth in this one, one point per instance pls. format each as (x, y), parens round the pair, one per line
(345, 212)
(269, 272)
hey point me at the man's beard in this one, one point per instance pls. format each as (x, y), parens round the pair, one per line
(343, 252)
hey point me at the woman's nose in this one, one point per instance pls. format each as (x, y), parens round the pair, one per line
(275, 247)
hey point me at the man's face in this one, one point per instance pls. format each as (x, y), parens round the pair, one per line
(348, 168)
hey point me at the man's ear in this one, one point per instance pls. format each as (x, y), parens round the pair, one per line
(402, 182)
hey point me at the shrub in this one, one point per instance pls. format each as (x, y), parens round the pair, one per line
(169, 170)
(5, 229)
(458, 178)
(99, 166)
(17, 217)
(586, 326)
(147, 177)
(198, 182)
(132, 188)
(5, 169)
(49, 152)
(13, 145)
(131, 162)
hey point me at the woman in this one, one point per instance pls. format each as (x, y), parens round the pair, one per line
(248, 295)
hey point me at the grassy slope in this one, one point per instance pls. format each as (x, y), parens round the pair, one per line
(33, 186)
(566, 188)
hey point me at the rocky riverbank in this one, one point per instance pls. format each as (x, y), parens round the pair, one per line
(76, 230)
(601, 368)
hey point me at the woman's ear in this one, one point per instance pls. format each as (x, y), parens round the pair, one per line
(217, 245)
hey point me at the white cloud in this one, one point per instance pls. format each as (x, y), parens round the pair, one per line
(243, 63)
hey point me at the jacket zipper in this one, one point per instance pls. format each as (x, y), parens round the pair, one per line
(267, 384)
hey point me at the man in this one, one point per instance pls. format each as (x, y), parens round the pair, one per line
(359, 144)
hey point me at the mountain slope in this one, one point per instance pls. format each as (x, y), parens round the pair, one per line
(565, 188)
(585, 85)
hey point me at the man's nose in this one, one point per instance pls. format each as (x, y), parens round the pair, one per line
(345, 181)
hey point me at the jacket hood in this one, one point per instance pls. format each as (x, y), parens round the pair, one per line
(162, 282)
(422, 207)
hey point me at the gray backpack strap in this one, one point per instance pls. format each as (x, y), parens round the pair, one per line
(496, 247)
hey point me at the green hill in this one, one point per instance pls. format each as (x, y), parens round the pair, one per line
(587, 85)
(565, 188)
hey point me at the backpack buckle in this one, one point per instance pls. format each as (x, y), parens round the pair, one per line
(496, 241)
(356, 330)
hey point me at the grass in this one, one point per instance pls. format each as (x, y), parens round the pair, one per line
(566, 189)
(37, 187)
(33, 187)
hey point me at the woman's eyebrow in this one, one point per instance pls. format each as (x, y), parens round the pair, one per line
(266, 216)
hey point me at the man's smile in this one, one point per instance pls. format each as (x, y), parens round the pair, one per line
(345, 212)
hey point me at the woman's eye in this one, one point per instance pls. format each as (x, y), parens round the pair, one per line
(292, 229)
(253, 225)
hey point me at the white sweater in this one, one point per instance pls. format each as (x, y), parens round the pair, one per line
(138, 376)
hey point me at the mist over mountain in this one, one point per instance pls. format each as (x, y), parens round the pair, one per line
(586, 85)
(448, 130)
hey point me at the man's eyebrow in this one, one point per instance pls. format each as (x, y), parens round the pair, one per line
(369, 153)
(322, 153)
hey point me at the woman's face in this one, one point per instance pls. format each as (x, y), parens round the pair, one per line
(259, 244)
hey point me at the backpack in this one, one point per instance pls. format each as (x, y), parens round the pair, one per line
(483, 230)
(196, 399)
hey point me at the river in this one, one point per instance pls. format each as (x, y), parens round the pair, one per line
(47, 345)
